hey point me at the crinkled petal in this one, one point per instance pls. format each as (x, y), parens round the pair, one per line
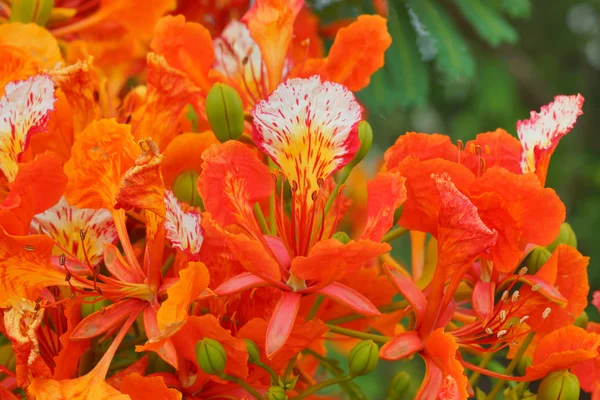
(138, 387)
(422, 146)
(441, 347)
(183, 229)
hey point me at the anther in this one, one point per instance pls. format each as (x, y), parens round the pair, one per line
(28, 247)
(489, 331)
(102, 310)
(294, 186)
(478, 150)
(537, 287)
(515, 296)
(501, 333)
(314, 195)
(73, 296)
(513, 343)
(62, 260)
(522, 271)
(320, 182)
(546, 313)
(82, 234)
(460, 145)
(68, 276)
(523, 319)
(504, 295)
(502, 315)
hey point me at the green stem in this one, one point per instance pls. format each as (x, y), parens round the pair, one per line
(261, 219)
(315, 307)
(483, 363)
(268, 369)
(357, 334)
(244, 385)
(322, 385)
(513, 364)
(395, 306)
(289, 368)
(345, 174)
(394, 234)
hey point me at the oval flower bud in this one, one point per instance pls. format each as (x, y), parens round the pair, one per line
(536, 259)
(398, 386)
(225, 112)
(559, 385)
(582, 320)
(566, 236)
(365, 135)
(276, 393)
(253, 351)
(184, 188)
(363, 358)
(211, 356)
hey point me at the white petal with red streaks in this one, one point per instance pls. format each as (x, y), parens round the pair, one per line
(309, 128)
(183, 229)
(24, 111)
(64, 222)
(543, 130)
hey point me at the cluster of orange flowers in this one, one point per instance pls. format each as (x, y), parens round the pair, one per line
(184, 215)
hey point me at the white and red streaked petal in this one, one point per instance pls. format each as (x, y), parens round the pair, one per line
(64, 222)
(309, 128)
(542, 131)
(24, 111)
(183, 229)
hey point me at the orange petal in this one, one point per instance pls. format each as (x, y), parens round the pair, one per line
(87, 387)
(16, 65)
(498, 148)
(138, 366)
(25, 267)
(187, 46)
(173, 312)
(67, 360)
(271, 25)
(442, 349)
(330, 260)
(352, 59)
(306, 43)
(169, 90)
(35, 40)
(24, 110)
(138, 387)
(184, 153)
(562, 349)
(422, 146)
(142, 186)
(136, 19)
(386, 192)
(101, 155)
(79, 82)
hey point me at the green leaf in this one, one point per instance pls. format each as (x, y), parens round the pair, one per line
(403, 64)
(453, 55)
(489, 25)
(517, 8)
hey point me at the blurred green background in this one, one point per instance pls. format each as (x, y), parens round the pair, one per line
(463, 67)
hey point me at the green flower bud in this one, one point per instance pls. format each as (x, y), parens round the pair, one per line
(566, 236)
(225, 112)
(184, 188)
(363, 358)
(341, 237)
(536, 259)
(365, 135)
(91, 307)
(211, 356)
(582, 320)
(398, 386)
(559, 385)
(276, 393)
(253, 352)
(524, 362)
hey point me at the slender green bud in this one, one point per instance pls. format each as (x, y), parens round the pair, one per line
(211, 356)
(524, 362)
(398, 386)
(341, 237)
(225, 112)
(276, 393)
(253, 352)
(559, 385)
(363, 358)
(365, 135)
(536, 259)
(184, 188)
(582, 320)
(566, 236)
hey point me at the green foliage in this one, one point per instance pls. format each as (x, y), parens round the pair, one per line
(488, 23)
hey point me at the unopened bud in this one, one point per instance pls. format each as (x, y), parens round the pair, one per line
(253, 351)
(184, 188)
(276, 393)
(363, 358)
(536, 259)
(566, 236)
(365, 135)
(225, 112)
(582, 320)
(524, 362)
(211, 356)
(398, 386)
(559, 385)
(341, 237)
